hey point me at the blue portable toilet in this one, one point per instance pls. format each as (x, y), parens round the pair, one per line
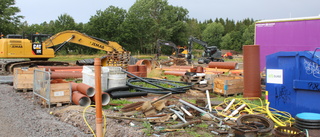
(293, 81)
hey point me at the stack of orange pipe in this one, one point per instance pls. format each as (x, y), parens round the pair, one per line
(83, 95)
(138, 70)
(63, 72)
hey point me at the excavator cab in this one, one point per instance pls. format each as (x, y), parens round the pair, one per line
(37, 40)
(39, 37)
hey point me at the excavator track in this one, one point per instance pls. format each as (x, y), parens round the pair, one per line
(8, 68)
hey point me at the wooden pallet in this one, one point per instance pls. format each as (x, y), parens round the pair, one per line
(56, 104)
(203, 87)
(192, 79)
(23, 89)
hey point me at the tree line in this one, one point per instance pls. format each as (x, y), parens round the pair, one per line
(138, 28)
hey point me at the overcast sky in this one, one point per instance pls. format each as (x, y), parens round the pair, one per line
(38, 11)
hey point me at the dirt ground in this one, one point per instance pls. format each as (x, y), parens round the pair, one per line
(20, 117)
(19, 112)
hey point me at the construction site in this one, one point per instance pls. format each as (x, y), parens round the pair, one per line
(267, 90)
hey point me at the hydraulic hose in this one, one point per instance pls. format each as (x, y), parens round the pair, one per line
(125, 94)
(148, 81)
(178, 89)
(160, 89)
(122, 88)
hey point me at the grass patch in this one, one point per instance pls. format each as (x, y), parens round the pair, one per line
(148, 129)
(202, 125)
(119, 102)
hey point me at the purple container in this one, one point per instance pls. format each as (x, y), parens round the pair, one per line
(293, 34)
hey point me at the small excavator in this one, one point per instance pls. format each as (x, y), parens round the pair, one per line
(211, 53)
(180, 52)
(40, 48)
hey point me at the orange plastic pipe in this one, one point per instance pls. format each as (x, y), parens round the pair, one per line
(105, 98)
(98, 101)
(83, 88)
(223, 65)
(80, 99)
(64, 75)
(251, 71)
(145, 62)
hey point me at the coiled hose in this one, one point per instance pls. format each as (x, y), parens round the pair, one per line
(281, 118)
(176, 86)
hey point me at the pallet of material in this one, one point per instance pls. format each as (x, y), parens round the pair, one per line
(60, 93)
(203, 87)
(191, 79)
(23, 78)
(228, 85)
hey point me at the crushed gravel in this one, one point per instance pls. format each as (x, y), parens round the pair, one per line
(20, 117)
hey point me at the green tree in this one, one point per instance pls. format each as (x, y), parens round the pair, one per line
(248, 35)
(193, 27)
(64, 22)
(226, 42)
(8, 19)
(229, 26)
(150, 20)
(213, 34)
(106, 24)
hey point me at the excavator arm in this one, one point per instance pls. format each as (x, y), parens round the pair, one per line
(82, 39)
(211, 53)
(193, 39)
(167, 43)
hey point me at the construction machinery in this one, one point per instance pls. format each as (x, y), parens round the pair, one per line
(180, 52)
(211, 53)
(42, 47)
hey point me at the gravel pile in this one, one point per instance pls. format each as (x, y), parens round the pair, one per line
(21, 118)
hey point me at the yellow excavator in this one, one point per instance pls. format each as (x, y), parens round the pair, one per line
(40, 48)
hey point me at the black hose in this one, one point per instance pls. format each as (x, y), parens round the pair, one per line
(148, 81)
(176, 89)
(125, 94)
(122, 88)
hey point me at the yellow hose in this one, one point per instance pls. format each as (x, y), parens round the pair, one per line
(85, 120)
(279, 117)
(271, 116)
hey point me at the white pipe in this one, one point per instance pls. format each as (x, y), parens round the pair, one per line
(198, 109)
(209, 102)
(186, 111)
(229, 105)
(235, 111)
